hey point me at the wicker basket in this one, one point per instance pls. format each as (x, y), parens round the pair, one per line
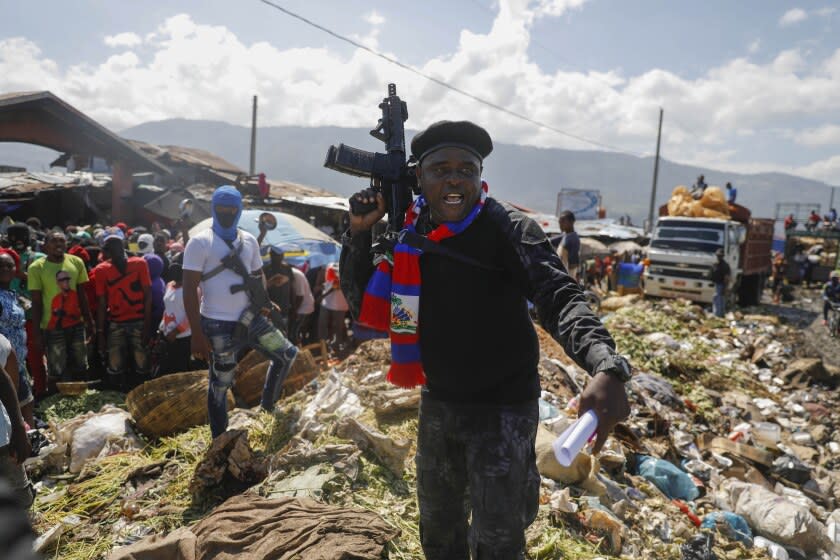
(248, 361)
(248, 384)
(171, 403)
(72, 387)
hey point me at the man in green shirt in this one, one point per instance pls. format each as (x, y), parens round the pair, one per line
(59, 300)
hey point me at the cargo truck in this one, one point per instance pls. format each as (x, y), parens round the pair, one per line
(682, 251)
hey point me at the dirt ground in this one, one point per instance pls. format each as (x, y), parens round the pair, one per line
(805, 312)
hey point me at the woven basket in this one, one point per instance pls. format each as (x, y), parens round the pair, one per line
(72, 387)
(171, 403)
(248, 384)
(248, 361)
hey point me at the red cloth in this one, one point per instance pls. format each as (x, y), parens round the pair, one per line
(123, 292)
(35, 363)
(80, 252)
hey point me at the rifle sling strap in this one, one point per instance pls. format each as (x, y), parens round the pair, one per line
(417, 241)
(221, 267)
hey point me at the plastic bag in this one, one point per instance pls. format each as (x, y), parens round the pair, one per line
(699, 548)
(673, 482)
(731, 524)
(94, 433)
(777, 518)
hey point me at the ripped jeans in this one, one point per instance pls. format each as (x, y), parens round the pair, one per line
(263, 337)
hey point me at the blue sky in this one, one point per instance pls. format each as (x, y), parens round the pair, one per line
(747, 86)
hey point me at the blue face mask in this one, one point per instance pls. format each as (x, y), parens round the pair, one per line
(224, 226)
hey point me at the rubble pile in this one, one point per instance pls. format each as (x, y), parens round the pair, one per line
(731, 453)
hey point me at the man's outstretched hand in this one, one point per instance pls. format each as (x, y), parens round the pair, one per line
(605, 395)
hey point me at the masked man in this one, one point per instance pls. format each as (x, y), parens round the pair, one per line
(231, 316)
(453, 293)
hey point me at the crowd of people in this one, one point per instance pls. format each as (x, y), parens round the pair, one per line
(95, 299)
(106, 303)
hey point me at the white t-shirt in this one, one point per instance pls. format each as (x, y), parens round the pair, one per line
(302, 289)
(5, 421)
(205, 252)
(334, 300)
(174, 314)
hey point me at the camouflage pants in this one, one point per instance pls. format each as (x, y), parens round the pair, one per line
(477, 459)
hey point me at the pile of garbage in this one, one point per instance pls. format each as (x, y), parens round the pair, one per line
(731, 453)
(712, 203)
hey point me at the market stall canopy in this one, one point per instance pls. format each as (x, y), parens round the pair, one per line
(608, 228)
(329, 202)
(625, 247)
(316, 248)
(590, 247)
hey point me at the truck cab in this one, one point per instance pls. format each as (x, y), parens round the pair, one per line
(682, 252)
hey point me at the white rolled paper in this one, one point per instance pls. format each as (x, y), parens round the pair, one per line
(568, 444)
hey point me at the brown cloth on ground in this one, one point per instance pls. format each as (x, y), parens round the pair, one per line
(255, 528)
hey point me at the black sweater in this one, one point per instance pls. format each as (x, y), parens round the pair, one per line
(477, 341)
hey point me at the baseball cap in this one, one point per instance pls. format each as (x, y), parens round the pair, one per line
(112, 233)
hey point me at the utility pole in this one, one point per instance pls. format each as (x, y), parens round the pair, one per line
(831, 200)
(252, 168)
(655, 174)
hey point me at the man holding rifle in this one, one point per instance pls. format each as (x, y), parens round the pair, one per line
(464, 272)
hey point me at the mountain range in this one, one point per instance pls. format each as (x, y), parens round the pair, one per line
(526, 175)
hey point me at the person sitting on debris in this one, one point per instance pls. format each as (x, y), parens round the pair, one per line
(731, 193)
(699, 188)
(830, 294)
(476, 350)
(229, 318)
(720, 274)
(813, 221)
(123, 288)
(830, 220)
(790, 223)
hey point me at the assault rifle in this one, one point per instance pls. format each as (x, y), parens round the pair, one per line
(389, 173)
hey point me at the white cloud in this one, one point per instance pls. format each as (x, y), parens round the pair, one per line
(821, 136)
(320, 86)
(754, 46)
(825, 11)
(555, 8)
(374, 18)
(793, 16)
(126, 39)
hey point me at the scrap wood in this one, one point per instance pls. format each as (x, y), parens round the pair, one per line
(723, 445)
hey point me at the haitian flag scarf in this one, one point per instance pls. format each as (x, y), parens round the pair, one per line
(392, 298)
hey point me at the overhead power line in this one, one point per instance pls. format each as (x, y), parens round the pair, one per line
(445, 84)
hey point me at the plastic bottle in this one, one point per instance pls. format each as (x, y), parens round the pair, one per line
(775, 551)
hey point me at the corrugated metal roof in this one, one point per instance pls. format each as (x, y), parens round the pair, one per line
(180, 155)
(32, 182)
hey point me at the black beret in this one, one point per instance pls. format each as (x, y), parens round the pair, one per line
(445, 134)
